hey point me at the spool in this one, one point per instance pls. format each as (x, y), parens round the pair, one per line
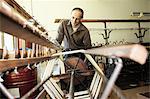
(77, 64)
(19, 84)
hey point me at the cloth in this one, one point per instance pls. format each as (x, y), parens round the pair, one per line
(79, 39)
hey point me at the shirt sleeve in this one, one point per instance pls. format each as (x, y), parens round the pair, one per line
(87, 40)
(60, 34)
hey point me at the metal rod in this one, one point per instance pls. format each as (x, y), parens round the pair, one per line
(101, 29)
(35, 88)
(71, 88)
(112, 80)
(115, 88)
(5, 91)
(106, 34)
(115, 20)
(140, 33)
(108, 20)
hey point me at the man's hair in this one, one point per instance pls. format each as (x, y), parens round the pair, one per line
(79, 9)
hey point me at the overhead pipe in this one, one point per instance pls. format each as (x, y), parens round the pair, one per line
(97, 29)
(107, 20)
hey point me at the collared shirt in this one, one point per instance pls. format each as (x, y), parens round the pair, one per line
(79, 39)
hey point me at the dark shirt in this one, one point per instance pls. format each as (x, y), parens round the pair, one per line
(79, 39)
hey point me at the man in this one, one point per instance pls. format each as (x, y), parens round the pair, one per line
(74, 33)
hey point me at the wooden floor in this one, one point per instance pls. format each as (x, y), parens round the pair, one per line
(135, 93)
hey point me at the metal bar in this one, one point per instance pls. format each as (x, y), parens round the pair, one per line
(112, 80)
(71, 88)
(35, 88)
(106, 34)
(101, 29)
(41, 94)
(115, 88)
(117, 20)
(5, 91)
(108, 20)
(140, 33)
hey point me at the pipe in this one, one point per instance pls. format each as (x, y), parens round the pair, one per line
(5, 91)
(101, 29)
(112, 80)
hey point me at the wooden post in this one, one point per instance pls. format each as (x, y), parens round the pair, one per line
(71, 88)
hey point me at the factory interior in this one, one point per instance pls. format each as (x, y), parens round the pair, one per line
(33, 65)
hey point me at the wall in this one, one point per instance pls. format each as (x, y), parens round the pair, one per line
(149, 5)
(46, 11)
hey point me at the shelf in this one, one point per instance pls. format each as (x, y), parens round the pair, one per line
(14, 23)
(6, 64)
(11, 27)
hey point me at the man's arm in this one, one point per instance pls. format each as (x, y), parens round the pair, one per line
(87, 40)
(60, 34)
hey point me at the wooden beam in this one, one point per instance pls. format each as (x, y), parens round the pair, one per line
(42, 94)
(9, 26)
(6, 64)
(16, 24)
(134, 52)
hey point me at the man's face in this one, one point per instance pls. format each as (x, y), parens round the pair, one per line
(76, 18)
